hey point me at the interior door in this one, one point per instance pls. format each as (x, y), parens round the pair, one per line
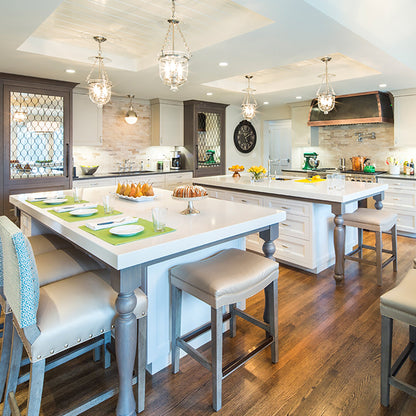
(280, 144)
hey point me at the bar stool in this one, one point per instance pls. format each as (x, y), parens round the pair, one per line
(399, 304)
(225, 278)
(378, 221)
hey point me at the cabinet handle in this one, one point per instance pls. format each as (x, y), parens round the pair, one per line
(286, 208)
(285, 225)
(396, 199)
(243, 200)
(284, 246)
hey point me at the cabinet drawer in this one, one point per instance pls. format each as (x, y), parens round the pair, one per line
(246, 199)
(290, 206)
(94, 183)
(294, 251)
(406, 222)
(295, 226)
(399, 183)
(399, 199)
(179, 178)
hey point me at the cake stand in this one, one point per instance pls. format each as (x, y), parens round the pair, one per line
(190, 210)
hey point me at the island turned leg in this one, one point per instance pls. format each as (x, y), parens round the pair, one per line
(269, 249)
(339, 245)
(126, 339)
(378, 198)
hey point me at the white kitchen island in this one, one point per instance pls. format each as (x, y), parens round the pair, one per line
(313, 234)
(146, 262)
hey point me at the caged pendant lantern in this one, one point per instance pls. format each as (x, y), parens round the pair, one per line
(325, 93)
(249, 104)
(99, 88)
(131, 116)
(173, 64)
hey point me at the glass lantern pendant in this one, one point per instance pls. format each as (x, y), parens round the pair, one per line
(173, 64)
(131, 116)
(325, 93)
(249, 104)
(99, 88)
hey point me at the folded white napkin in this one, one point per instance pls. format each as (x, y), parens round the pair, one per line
(111, 223)
(67, 208)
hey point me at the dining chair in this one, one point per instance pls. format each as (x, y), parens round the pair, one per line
(69, 315)
(56, 259)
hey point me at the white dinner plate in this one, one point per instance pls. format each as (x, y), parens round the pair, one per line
(86, 212)
(127, 230)
(55, 201)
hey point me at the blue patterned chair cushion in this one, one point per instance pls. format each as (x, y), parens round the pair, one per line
(21, 283)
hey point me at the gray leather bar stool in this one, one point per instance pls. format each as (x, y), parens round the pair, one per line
(378, 221)
(397, 304)
(71, 315)
(225, 278)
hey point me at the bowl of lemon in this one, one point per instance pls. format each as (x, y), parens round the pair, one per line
(236, 169)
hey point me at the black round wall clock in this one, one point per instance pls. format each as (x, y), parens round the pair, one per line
(245, 137)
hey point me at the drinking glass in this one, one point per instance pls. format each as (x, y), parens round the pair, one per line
(159, 216)
(339, 182)
(108, 209)
(330, 182)
(77, 193)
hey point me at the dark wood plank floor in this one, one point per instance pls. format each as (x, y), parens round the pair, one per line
(329, 357)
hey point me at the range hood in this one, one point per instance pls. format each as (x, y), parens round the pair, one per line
(363, 108)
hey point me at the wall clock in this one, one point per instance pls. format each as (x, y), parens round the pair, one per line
(245, 137)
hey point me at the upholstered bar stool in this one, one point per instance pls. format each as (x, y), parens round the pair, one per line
(57, 317)
(225, 278)
(378, 221)
(397, 304)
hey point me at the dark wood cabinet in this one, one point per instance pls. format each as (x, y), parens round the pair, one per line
(36, 136)
(204, 137)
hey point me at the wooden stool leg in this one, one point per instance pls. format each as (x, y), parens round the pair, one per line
(216, 340)
(96, 354)
(412, 338)
(141, 362)
(17, 349)
(176, 299)
(360, 242)
(5, 351)
(271, 293)
(394, 246)
(379, 259)
(37, 373)
(386, 343)
(107, 354)
(233, 320)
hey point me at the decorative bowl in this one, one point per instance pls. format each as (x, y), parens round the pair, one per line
(89, 170)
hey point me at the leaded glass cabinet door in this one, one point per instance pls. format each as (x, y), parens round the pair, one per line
(36, 139)
(205, 137)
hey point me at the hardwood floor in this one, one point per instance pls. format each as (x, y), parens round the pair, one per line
(329, 340)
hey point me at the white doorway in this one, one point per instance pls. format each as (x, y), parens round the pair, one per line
(278, 144)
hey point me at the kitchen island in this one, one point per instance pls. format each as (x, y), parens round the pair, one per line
(314, 215)
(146, 263)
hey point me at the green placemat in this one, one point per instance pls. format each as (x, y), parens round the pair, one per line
(72, 218)
(70, 201)
(116, 240)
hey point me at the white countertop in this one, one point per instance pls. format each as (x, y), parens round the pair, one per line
(217, 221)
(317, 191)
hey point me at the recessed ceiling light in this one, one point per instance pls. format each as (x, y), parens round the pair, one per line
(299, 97)
(266, 102)
(209, 93)
(223, 64)
(382, 85)
(70, 71)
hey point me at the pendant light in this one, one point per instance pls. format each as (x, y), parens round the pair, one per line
(173, 64)
(325, 93)
(249, 104)
(99, 88)
(131, 116)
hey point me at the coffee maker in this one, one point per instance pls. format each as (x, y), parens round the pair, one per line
(176, 160)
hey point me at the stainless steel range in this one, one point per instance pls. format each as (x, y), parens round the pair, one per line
(357, 176)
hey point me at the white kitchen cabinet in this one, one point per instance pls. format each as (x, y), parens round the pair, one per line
(167, 122)
(87, 121)
(405, 121)
(176, 179)
(302, 134)
(400, 197)
(157, 181)
(94, 182)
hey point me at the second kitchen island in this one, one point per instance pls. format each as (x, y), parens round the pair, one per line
(313, 236)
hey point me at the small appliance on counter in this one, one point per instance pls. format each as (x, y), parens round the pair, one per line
(358, 162)
(311, 161)
(176, 160)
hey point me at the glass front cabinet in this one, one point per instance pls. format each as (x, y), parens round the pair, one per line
(204, 137)
(36, 136)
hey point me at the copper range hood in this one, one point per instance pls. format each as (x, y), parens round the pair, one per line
(362, 108)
